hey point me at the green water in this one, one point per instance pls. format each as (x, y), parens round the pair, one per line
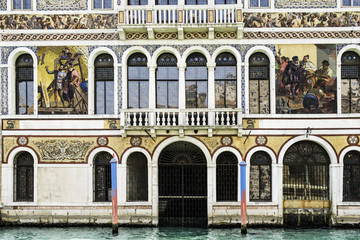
(175, 233)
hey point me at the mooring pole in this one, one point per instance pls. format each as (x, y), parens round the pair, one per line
(113, 162)
(243, 196)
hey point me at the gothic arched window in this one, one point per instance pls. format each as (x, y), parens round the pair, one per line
(259, 84)
(138, 81)
(167, 82)
(137, 178)
(196, 81)
(226, 177)
(260, 177)
(24, 177)
(225, 81)
(102, 176)
(350, 82)
(351, 182)
(24, 85)
(104, 84)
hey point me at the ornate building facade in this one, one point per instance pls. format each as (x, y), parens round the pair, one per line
(180, 92)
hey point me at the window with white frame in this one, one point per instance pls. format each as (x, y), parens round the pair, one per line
(351, 3)
(21, 4)
(260, 3)
(104, 84)
(24, 85)
(138, 81)
(137, 178)
(102, 4)
(24, 177)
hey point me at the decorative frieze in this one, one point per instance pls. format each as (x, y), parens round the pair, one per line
(61, 149)
(305, 4)
(225, 35)
(60, 37)
(167, 36)
(136, 36)
(196, 35)
(302, 35)
(61, 5)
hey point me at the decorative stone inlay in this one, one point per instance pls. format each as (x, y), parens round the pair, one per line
(135, 141)
(353, 140)
(22, 140)
(61, 5)
(166, 36)
(301, 35)
(136, 36)
(196, 35)
(102, 141)
(305, 4)
(226, 140)
(63, 149)
(3, 5)
(261, 140)
(225, 35)
(60, 37)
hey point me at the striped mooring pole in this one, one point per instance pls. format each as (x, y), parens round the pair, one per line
(243, 196)
(113, 163)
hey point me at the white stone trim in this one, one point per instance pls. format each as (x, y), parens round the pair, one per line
(91, 78)
(271, 57)
(12, 78)
(7, 176)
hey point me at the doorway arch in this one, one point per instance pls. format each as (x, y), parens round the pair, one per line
(182, 178)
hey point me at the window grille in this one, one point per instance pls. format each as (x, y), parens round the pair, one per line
(167, 82)
(102, 176)
(24, 177)
(24, 85)
(225, 81)
(260, 177)
(138, 81)
(306, 172)
(104, 81)
(226, 177)
(137, 178)
(351, 181)
(196, 76)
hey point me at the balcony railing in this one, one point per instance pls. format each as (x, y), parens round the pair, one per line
(162, 14)
(181, 117)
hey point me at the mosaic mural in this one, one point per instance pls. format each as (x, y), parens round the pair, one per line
(306, 78)
(305, 4)
(58, 21)
(58, 5)
(3, 5)
(302, 19)
(62, 75)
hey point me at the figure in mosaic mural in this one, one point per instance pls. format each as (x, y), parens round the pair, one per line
(301, 20)
(306, 86)
(69, 80)
(48, 22)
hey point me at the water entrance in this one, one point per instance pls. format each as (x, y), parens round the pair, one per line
(182, 186)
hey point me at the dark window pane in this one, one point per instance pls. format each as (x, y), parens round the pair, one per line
(254, 3)
(225, 72)
(161, 94)
(17, 4)
(97, 4)
(102, 175)
(346, 3)
(137, 178)
(356, 3)
(230, 94)
(173, 94)
(27, 4)
(133, 92)
(196, 73)
(167, 73)
(144, 94)
(107, 4)
(109, 97)
(220, 94)
(264, 3)
(100, 97)
(137, 73)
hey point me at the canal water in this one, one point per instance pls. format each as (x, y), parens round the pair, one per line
(22, 233)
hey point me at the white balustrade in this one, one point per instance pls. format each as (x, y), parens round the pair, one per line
(136, 15)
(191, 117)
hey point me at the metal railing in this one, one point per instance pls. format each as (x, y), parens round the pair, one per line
(181, 117)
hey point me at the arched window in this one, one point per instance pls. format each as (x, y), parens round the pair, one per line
(24, 177)
(260, 177)
(226, 177)
(24, 85)
(306, 172)
(259, 84)
(196, 77)
(102, 176)
(137, 178)
(104, 84)
(350, 83)
(225, 81)
(351, 184)
(138, 81)
(167, 82)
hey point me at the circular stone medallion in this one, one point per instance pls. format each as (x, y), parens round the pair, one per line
(102, 141)
(353, 140)
(226, 140)
(22, 140)
(135, 141)
(261, 140)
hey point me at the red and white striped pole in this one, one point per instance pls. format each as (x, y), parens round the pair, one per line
(113, 163)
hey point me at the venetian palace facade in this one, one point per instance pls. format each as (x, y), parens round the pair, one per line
(180, 92)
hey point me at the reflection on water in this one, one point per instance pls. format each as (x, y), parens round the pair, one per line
(25, 233)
